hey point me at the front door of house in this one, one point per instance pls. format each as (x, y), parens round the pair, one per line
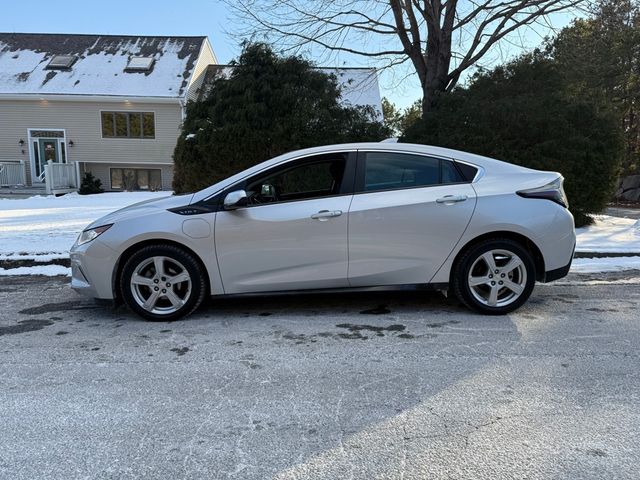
(48, 145)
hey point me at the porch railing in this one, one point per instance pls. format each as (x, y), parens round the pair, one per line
(12, 173)
(60, 177)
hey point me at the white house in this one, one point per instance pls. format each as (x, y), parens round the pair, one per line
(111, 105)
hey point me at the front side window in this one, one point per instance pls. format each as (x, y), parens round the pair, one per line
(312, 179)
(128, 125)
(390, 171)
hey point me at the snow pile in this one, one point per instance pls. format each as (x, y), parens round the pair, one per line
(609, 234)
(46, 270)
(609, 264)
(45, 227)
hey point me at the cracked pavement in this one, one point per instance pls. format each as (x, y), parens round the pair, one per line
(377, 385)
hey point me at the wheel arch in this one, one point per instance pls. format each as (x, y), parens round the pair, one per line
(523, 240)
(131, 249)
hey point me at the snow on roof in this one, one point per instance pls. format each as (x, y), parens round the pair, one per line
(100, 68)
(359, 85)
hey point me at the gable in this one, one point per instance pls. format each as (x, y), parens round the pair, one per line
(102, 66)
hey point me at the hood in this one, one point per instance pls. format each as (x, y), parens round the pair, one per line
(143, 208)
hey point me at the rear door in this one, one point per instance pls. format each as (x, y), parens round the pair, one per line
(407, 214)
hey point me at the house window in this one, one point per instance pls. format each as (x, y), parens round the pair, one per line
(131, 179)
(128, 125)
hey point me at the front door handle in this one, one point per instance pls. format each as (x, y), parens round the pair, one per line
(451, 199)
(324, 215)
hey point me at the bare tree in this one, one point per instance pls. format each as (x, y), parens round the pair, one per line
(441, 38)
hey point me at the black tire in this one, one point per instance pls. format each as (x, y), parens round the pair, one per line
(198, 282)
(463, 291)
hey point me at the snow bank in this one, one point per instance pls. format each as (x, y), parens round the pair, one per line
(609, 234)
(45, 227)
(593, 265)
(46, 270)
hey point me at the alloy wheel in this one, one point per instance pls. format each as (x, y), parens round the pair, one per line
(161, 285)
(497, 278)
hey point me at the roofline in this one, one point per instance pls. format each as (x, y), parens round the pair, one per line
(78, 97)
(104, 35)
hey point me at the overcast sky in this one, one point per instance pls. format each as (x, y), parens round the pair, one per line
(181, 17)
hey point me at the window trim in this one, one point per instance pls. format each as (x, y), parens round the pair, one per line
(132, 168)
(361, 164)
(128, 137)
(346, 188)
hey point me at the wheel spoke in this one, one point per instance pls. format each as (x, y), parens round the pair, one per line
(475, 281)
(179, 278)
(140, 280)
(514, 263)
(493, 296)
(490, 261)
(514, 287)
(174, 299)
(158, 263)
(150, 302)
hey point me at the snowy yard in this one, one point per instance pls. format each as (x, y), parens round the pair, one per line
(44, 228)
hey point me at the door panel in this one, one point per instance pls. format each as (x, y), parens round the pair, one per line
(281, 247)
(404, 236)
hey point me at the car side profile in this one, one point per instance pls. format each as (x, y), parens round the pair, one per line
(339, 217)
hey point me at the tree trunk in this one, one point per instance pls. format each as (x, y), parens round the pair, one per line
(437, 59)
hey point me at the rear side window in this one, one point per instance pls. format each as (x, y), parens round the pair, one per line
(389, 171)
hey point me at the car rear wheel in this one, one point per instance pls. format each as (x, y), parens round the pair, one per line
(162, 283)
(494, 277)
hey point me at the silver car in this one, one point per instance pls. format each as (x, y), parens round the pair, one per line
(352, 216)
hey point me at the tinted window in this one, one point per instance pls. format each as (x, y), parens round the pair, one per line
(467, 171)
(309, 180)
(386, 171)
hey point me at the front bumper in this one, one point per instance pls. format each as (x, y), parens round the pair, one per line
(92, 267)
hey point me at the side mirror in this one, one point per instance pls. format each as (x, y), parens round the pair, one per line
(235, 200)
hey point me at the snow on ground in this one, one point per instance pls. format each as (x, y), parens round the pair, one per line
(45, 227)
(609, 234)
(611, 264)
(46, 270)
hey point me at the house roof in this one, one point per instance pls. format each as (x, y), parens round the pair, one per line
(100, 66)
(359, 85)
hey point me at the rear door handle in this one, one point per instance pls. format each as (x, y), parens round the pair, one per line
(449, 199)
(324, 215)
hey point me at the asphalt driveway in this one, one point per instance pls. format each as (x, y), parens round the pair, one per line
(353, 386)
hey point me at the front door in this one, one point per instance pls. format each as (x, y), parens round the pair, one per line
(293, 233)
(47, 149)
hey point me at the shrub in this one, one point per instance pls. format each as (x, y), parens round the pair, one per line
(521, 113)
(267, 106)
(90, 185)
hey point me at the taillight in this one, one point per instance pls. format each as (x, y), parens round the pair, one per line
(551, 191)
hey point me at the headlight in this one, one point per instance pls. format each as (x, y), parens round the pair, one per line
(92, 233)
(553, 191)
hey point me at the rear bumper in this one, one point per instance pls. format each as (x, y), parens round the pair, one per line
(558, 273)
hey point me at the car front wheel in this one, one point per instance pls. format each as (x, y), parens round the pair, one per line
(162, 283)
(494, 277)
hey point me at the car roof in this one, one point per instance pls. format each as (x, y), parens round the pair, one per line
(489, 165)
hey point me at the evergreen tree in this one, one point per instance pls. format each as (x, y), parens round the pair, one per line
(267, 106)
(521, 113)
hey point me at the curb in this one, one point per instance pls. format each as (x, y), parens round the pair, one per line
(605, 254)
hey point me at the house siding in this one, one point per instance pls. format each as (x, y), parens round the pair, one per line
(82, 125)
(206, 58)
